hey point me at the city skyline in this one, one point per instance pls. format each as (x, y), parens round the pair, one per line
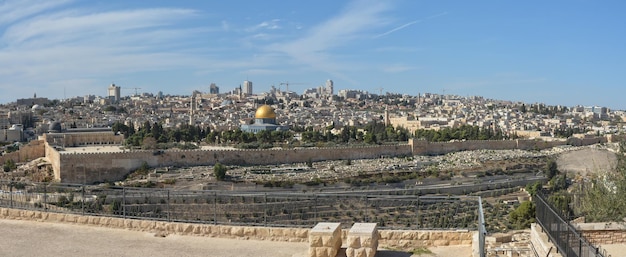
(558, 53)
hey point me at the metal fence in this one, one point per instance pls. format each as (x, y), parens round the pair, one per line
(568, 241)
(391, 210)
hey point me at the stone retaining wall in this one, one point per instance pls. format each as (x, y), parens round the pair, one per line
(162, 228)
(33, 150)
(409, 239)
(397, 239)
(603, 233)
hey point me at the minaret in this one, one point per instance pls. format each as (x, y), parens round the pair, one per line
(192, 108)
(387, 121)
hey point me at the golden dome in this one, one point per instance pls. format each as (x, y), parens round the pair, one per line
(265, 112)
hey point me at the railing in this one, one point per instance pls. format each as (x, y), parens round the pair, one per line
(482, 231)
(391, 210)
(568, 241)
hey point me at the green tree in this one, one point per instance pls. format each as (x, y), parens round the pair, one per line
(9, 165)
(533, 188)
(219, 171)
(523, 215)
(551, 169)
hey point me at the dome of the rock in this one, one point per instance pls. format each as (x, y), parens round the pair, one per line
(265, 112)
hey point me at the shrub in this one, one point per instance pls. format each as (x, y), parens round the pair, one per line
(219, 171)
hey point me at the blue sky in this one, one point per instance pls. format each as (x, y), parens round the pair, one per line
(556, 52)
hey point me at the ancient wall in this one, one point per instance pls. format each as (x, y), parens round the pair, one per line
(577, 141)
(102, 167)
(33, 150)
(402, 239)
(423, 147)
(83, 138)
(53, 156)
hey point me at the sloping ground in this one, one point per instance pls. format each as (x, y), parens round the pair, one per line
(587, 161)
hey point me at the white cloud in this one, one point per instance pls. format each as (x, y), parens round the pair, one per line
(48, 45)
(313, 49)
(268, 25)
(14, 10)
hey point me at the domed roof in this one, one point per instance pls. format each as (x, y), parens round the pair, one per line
(55, 127)
(265, 112)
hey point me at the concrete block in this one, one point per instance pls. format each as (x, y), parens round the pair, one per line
(326, 234)
(361, 237)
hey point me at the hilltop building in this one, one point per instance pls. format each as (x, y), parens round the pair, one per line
(264, 119)
(330, 91)
(114, 93)
(33, 101)
(247, 87)
(214, 89)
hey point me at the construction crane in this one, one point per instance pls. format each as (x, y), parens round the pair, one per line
(380, 90)
(287, 85)
(135, 88)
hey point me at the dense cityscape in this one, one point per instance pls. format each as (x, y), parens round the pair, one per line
(317, 110)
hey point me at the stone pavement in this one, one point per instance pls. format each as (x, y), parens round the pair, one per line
(31, 238)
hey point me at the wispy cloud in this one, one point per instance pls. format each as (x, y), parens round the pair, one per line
(408, 24)
(313, 49)
(269, 25)
(48, 44)
(397, 28)
(14, 10)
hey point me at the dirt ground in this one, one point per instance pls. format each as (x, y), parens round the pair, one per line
(587, 161)
(31, 238)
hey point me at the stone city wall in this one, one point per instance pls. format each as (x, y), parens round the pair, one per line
(403, 239)
(101, 167)
(577, 141)
(33, 150)
(54, 157)
(113, 166)
(423, 147)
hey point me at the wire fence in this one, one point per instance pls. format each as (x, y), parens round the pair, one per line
(391, 210)
(567, 240)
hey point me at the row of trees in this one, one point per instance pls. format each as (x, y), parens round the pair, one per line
(464, 132)
(156, 133)
(550, 110)
(247, 139)
(372, 133)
